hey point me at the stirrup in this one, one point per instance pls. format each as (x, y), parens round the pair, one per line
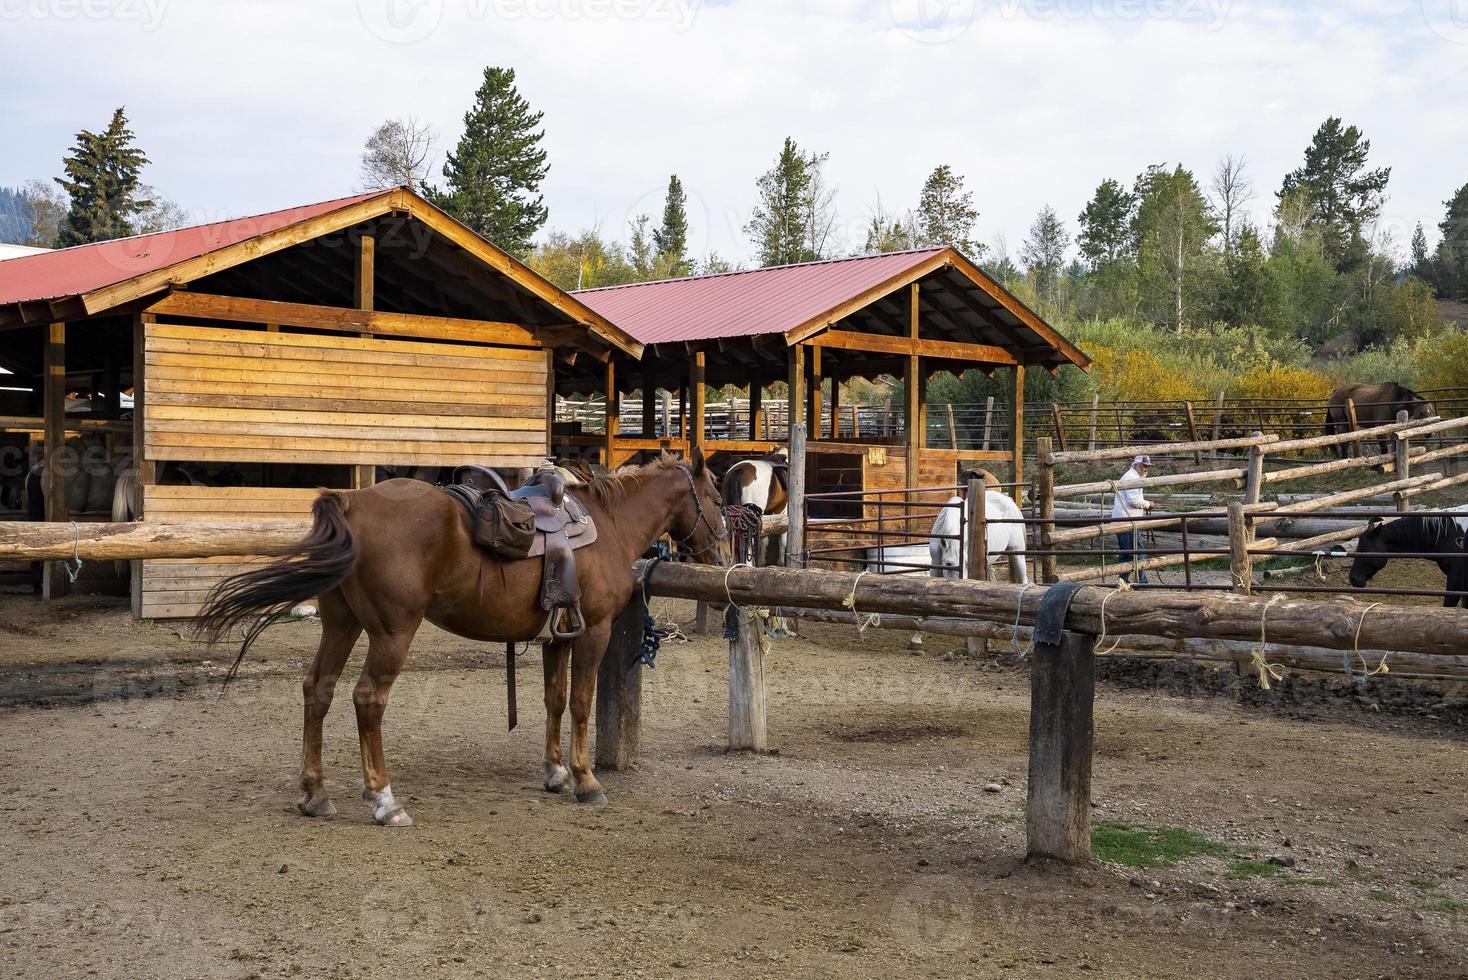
(576, 623)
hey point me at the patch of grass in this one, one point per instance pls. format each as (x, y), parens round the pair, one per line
(1422, 884)
(1001, 818)
(1452, 906)
(1245, 869)
(1382, 895)
(1313, 882)
(1139, 846)
(1362, 875)
(958, 811)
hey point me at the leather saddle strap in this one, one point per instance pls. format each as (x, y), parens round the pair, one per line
(510, 685)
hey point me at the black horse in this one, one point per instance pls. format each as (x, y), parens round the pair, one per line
(1438, 535)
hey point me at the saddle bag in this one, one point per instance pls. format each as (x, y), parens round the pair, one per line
(506, 527)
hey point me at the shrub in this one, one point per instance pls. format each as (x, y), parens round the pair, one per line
(1442, 360)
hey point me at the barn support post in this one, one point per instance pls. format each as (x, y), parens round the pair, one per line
(619, 691)
(795, 400)
(813, 393)
(975, 547)
(1017, 431)
(1045, 504)
(912, 384)
(147, 472)
(988, 421)
(364, 283)
(54, 582)
(613, 416)
(1062, 703)
(756, 405)
(696, 373)
(1403, 460)
(836, 405)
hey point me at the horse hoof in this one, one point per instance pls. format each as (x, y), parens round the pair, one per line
(594, 797)
(316, 806)
(556, 779)
(397, 818)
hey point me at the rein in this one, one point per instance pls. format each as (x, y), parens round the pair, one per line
(683, 543)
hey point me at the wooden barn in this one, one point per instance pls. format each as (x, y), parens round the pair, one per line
(326, 345)
(813, 326)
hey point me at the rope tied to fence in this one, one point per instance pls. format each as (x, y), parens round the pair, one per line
(1266, 670)
(863, 621)
(1122, 585)
(1019, 605)
(76, 557)
(1366, 669)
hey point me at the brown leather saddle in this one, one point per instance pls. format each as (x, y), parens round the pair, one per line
(562, 525)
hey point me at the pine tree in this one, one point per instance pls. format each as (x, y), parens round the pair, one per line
(793, 218)
(103, 179)
(672, 238)
(494, 175)
(890, 232)
(1343, 196)
(946, 213)
(1450, 272)
(1044, 253)
(1245, 291)
(1420, 263)
(1105, 235)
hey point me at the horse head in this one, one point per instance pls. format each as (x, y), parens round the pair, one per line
(1364, 567)
(1417, 406)
(698, 517)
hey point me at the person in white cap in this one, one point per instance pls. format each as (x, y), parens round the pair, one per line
(1131, 503)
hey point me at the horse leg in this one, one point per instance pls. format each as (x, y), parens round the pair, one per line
(386, 654)
(586, 653)
(339, 632)
(556, 658)
(1017, 570)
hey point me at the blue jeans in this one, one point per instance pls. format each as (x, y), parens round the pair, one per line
(1126, 543)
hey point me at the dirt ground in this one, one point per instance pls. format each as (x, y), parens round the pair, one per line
(153, 832)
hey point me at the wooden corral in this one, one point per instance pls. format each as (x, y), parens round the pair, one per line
(813, 327)
(329, 345)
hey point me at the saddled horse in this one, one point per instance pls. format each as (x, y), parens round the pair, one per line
(385, 558)
(1443, 536)
(764, 485)
(1375, 405)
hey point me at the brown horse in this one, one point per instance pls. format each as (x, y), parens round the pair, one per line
(1375, 405)
(385, 558)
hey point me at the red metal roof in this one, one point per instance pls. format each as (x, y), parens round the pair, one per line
(744, 304)
(83, 268)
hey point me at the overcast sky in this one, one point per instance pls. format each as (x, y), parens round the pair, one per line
(249, 107)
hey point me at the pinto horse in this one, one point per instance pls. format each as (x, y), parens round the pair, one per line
(1440, 535)
(763, 485)
(385, 558)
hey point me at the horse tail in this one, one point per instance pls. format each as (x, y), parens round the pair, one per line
(330, 552)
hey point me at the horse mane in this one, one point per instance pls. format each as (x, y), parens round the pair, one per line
(612, 487)
(1414, 530)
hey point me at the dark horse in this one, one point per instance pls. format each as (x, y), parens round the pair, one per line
(385, 558)
(1438, 535)
(1375, 405)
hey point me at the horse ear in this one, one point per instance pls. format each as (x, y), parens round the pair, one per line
(699, 466)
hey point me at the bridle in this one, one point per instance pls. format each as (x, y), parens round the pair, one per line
(684, 542)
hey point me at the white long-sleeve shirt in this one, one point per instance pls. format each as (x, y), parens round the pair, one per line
(1129, 503)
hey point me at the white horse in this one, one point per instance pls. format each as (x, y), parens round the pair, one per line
(1000, 538)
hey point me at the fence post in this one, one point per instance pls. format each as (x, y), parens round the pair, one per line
(1239, 561)
(1058, 424)
(1404, 461)
(988, 420)
(619, 691)
(1046, 507)
(952, 429)
(1091, 437)
(1353, 448)
(1193, 432)
(1062, 702)
(746, 682)
(795, 535)
(1254, 473)
(976, 547)
(1217, 420)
